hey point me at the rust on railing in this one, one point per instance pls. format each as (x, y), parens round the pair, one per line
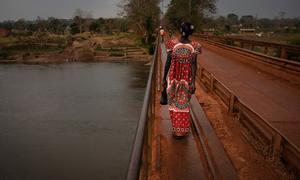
(272, 142)
(141, 150)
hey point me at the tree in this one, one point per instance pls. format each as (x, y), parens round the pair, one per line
(142, 15)
(233, 19)
(247, 21)
(7, 24)
(74, 28)
(20, 24)
(55, 25)
(265, 23)
(82, 19)
(32, 27)
(41, 24)
(97, 25)
(193, 10)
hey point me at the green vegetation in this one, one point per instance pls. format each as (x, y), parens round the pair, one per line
(4, 54)
(32, 48)
(142, 17)
(277, 28)
(8, 40)
(290, 38)
(117, 53)
(111, 49)
(137, 26)
(189, 10)
(295, 42)
(37, 42)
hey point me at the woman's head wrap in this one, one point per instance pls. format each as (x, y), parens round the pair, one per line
(186, 29)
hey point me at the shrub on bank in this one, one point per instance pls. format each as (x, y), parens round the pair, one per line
(151, 49)
(118, 53)
(3, 55)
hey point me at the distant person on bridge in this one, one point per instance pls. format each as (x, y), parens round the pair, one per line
(179, 78)
(162, 33)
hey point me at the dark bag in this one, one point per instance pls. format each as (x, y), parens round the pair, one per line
(164, 97)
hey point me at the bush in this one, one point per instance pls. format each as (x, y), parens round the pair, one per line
(294, 42)
(116, 54)
(3, 54)
(151, 49)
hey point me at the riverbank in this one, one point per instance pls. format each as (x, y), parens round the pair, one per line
(96, 59)
(81, 48)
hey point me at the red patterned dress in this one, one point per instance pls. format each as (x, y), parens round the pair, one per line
(180, 85)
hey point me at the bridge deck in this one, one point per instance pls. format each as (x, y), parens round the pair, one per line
(275, 99)
(180, 159)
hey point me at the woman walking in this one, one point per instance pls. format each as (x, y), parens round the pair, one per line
(179, 78)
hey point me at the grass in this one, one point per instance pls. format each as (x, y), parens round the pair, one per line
(118, 53)
(113, 51)
(290, 38)
(8, 40)
(28, 44)
(110, 49)
(294, 42)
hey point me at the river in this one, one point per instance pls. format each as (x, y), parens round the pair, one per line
(69, 121)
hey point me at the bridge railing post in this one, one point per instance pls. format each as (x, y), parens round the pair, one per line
(266, 50)
(242, 44)
(231, 103)
(200, 72)
(276, 146)
(283, 53)
(212, 81)
(252, 47)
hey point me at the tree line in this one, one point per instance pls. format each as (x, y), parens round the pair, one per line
(144, 17)
(232, 23)
(193, 11)
(82, 22)
(141, 16)
(201, 14)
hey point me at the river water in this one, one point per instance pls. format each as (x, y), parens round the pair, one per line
(69, 121)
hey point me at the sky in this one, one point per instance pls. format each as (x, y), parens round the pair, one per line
(30, 9)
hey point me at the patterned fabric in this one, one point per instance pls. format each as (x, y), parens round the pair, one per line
(180, 83)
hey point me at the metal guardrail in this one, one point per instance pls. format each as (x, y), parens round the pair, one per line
(283, 63)
(292, 65)
(141, 150)
(259, 132)
(285, 69)
(284, 49)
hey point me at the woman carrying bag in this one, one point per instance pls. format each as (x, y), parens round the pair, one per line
(179, 79)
